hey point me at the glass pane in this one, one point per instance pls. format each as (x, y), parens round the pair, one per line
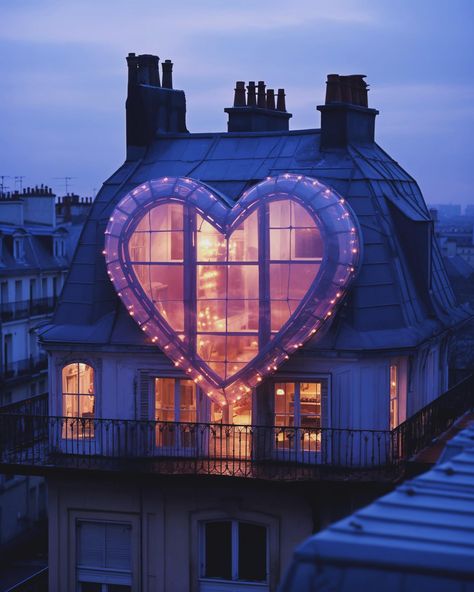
(187, 401)
(211, 281)
(218, 550)
(301, 277)
(241, 348)
(300, 217)
(90, 587)
(252, 552)
(279, 281)
(242, 315)
(86, 406)
(86, 379)
(306, 243)
(166, 282)
(242, 281)
(166, 246)
(233, 367)
(211, 244)
(280, 244)
(243, 242)
(70, 406)
(284, 403)
(167, 217)
(280, 213)
(139, 246)
(218, 368)
(211, 315)
(280, 313)
(70, 375)
(211, 347)
(164, 399)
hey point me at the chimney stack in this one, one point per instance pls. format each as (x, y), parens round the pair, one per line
(151, 108)
(257, 112)
(167, 68)
(346, 118)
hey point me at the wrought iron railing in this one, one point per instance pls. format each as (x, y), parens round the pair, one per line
(200, 448)
(29, 437)
(37, 405)
(25, 366)
(419, 430)
(21, 309)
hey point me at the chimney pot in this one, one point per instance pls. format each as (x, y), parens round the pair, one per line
(251, 95)
(239, 94)
(281, 104)
(261, 95)
(271, 99)
(346, 89)
(167, 68)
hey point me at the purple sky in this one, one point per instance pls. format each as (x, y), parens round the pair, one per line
(64, 76)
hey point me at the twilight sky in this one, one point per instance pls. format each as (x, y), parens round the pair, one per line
(64, 76)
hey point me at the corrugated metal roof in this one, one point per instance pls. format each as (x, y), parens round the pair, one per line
(392, 314)
(423, 531)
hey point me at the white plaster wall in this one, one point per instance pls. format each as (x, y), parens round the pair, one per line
(164, 514)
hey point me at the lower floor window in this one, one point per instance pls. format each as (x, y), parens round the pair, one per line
(104, 562)
(234, 550)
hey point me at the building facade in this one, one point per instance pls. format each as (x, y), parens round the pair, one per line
(249, 318)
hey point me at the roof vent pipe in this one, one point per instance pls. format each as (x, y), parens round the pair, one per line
(251, 95)
(261, 95)
(271, 99)
(167, 69)
(239, 95)
(281, 104)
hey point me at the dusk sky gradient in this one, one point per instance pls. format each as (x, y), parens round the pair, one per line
(64, 77)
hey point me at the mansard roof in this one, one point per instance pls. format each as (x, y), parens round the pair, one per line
(390, 306)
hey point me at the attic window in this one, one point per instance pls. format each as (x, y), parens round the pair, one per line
(59, 247)
(19, 248)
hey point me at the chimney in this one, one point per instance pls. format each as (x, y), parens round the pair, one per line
(167, 67)
(257, 112)
(346, 118)
(151, 108)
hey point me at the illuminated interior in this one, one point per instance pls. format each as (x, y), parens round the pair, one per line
(227, 317)
(229, 290)
(393, 396)
(78, 399)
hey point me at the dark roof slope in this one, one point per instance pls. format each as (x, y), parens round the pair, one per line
(387, 307)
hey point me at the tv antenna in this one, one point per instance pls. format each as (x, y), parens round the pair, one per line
(66, 182)
(2, 182)
(19, 182)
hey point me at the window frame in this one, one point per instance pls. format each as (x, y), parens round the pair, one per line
(89, 433)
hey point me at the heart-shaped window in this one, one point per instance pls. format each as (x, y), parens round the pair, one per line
(230, 292)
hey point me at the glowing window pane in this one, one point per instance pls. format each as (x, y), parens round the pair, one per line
(243, 242)
(280, 313)
(211, 244)
(166, 246)
(280, 215)
(211, 281)
(241, 348)
(242, 281)
(300, 217)
(306, 243)
(242, 315)
(139, 246)
(166, 217)
(301, 278)
(211, 315)
(211, 347)
(280, 244)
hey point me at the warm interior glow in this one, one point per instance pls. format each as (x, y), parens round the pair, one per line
(227, 317)
(78, 399)
(393, 396)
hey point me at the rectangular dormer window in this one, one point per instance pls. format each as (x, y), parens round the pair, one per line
(18, 249)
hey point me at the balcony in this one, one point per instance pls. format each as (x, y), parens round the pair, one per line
(22, 309)
(23, 368)
(36, 443)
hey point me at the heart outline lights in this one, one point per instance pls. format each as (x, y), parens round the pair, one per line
(229, 291)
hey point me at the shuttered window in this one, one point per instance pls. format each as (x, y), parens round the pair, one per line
(104, 556)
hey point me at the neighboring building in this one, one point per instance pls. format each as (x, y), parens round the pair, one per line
(419, 537)
(248, 319)
(35, 253)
